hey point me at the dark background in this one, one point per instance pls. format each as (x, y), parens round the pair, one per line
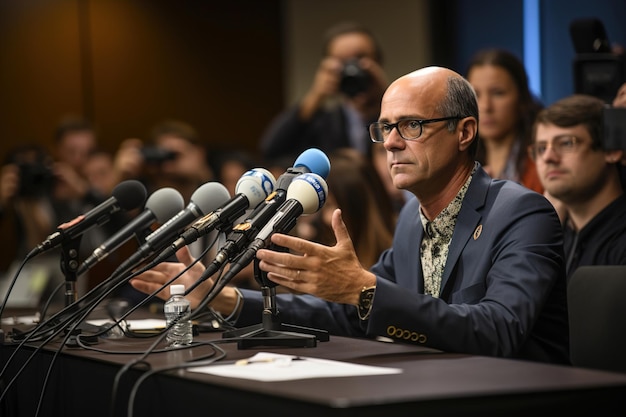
(226, 67)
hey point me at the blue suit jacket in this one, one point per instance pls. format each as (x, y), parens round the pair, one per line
(502, 292)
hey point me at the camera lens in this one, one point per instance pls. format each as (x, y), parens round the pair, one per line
(154, 155)
(35, 179)
(354, 79)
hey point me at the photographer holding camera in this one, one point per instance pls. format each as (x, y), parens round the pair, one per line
(26, 182)
(174, 156)
(344, 98)
(41, 189)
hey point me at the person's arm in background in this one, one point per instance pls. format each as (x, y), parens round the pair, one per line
(129, 162)
(296, 122)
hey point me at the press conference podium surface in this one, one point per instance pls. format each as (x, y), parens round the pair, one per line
(431, 384)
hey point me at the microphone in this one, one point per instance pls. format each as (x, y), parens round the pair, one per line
(310, 161)
(206, 198)
(306, 195)
(252, 188)
(127, 195)
(161, 205)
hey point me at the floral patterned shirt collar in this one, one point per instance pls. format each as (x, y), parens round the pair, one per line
(443, 225)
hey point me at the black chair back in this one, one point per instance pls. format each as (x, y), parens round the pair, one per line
(597, 317)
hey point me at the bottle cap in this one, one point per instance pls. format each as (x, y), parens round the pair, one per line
(177, 289)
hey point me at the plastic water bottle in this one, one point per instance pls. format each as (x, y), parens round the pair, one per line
(180, 333)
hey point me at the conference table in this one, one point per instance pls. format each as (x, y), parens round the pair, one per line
(80, 381)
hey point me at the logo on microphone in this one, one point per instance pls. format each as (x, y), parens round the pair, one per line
(318, 185)
(267, 180)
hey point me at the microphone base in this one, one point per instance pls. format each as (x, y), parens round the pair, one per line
(255, 336)
(271, 332)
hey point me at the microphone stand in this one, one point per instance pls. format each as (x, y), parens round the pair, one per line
(69, 266)
(271, 331)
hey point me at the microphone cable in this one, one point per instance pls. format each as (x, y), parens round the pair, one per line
(12, 284)
(76, 317)
(221, 354)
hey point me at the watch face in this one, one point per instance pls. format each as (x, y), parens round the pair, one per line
(365, 302)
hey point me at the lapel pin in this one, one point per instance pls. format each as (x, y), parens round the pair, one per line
(478, 231)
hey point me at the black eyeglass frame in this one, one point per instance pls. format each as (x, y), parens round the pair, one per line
(391, 126)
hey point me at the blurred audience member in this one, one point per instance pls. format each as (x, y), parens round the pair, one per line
(355, 187)
(174, 156)
(26, 185)
(344, 98)
(27, 217)
(582, 178)
(40, 191)
(507, 111)
(184, 163)
(230, 165)
(99, 170)
(74, 140)
(73, 195)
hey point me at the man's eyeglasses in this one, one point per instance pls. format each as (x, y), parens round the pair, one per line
(409, 129)
(560, 145)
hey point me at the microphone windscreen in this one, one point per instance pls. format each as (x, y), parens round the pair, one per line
(164, 203)
(256, 184)
(310, 190)
(130, 194)
(210, 196)
(315, 161)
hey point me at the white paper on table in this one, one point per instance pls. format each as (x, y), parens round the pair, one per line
(33, 319)
(143, 324)
(265, 366)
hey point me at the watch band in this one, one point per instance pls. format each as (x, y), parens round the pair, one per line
(365, 302)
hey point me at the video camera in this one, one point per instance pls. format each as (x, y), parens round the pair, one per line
(597, 71)
(600, 73)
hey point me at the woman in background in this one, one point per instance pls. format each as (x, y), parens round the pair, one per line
(507, 111)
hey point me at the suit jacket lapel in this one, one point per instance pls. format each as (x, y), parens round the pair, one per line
(413, 247)
(467, 222)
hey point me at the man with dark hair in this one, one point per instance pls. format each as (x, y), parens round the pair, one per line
(582, 178)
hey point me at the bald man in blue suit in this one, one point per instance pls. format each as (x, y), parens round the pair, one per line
(476, 265)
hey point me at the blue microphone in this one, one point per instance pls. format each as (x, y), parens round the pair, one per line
(306, 195)
(310, 161)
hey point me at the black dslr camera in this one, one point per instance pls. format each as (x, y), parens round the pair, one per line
(354, 79)
(155, 155)
(35, 179)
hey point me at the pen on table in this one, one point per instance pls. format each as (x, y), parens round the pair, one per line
(278, 360)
